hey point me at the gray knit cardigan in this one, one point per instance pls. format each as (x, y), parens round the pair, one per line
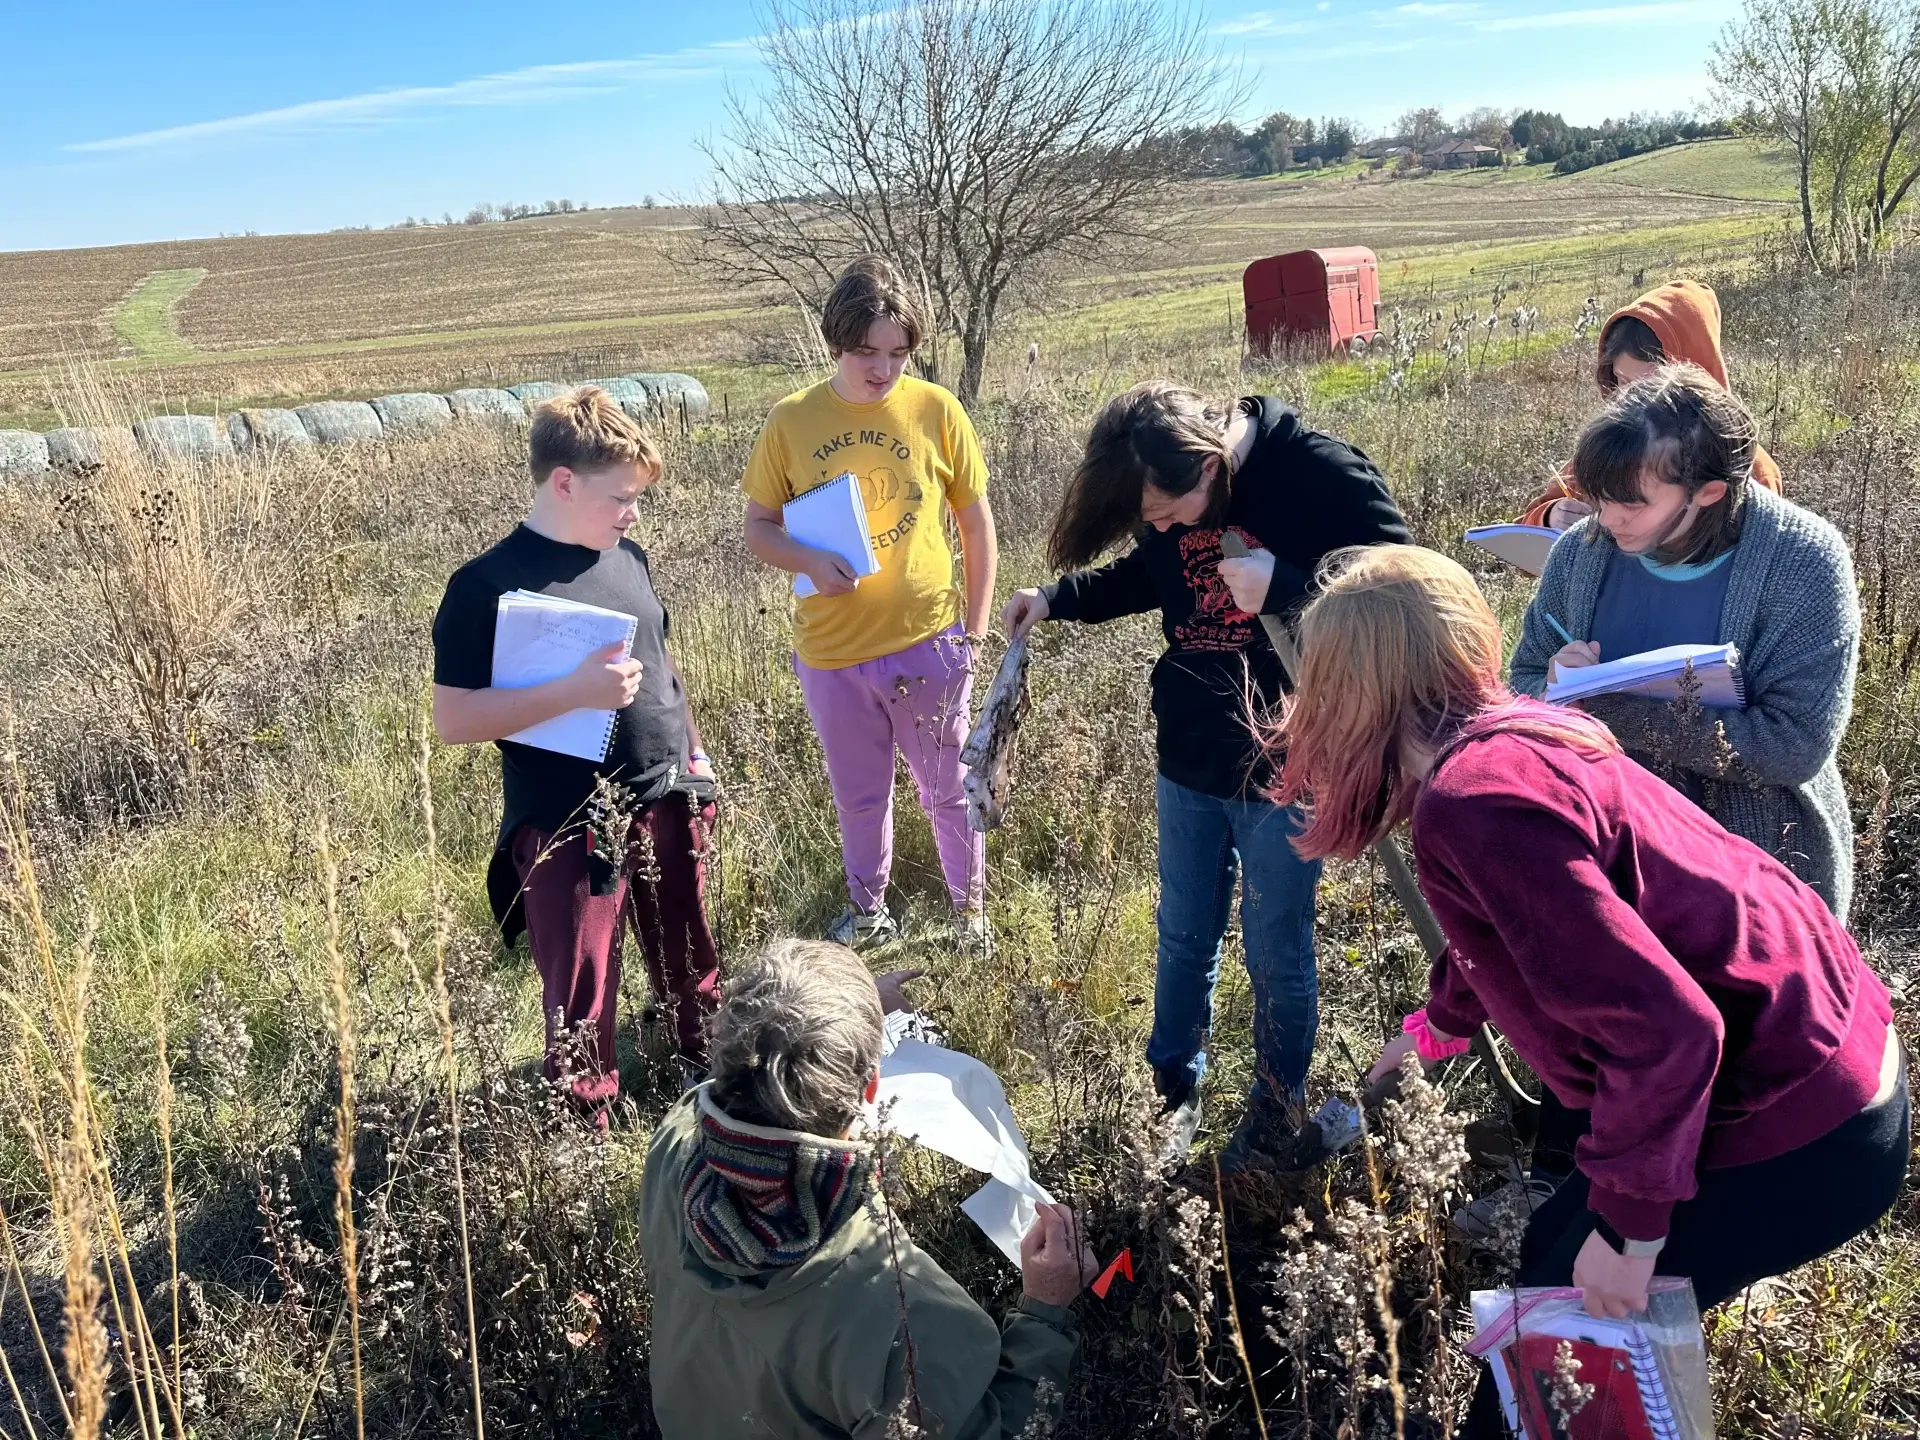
(1792, 610)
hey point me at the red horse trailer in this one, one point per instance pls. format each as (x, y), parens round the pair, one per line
(1327, 296)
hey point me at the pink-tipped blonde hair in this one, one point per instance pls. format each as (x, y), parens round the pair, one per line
(1399, 654)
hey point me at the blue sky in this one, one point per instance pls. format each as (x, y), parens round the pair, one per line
(139, 121)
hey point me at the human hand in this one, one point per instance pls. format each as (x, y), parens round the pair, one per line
(608, 679)
(700, 765)
(1577, 656)
(1055, 1264)
(1248, 577)
(892, 987)
(1024, 610)
(1563, 513)
(1611, 1283)
(830, 574)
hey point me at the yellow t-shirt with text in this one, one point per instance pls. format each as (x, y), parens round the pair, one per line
(912, 451)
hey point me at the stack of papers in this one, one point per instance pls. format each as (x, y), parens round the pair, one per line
(1656, 674)
(1524, 547)
(832, 517)
(537, 638)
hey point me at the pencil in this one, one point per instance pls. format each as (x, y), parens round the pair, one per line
(1558, 628)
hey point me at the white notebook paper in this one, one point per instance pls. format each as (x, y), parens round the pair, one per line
(537, 638)
(1656, 674)
(1524, 547)
(832, 517)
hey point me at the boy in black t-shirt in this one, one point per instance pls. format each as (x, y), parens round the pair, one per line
(574, 853)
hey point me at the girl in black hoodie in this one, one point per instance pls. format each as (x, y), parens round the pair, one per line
(1173, 472)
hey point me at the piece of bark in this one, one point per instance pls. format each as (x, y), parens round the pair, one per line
(988, 753)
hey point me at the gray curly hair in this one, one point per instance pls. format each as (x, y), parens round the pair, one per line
(797, 1037)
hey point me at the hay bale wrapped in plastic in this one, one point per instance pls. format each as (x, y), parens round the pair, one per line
(497, 407)
(266, 429)
(340, 422)
(676, 395)
(413, 413)
(630, 395)
(80, 447)
(533, 392)
(180, 437)
(23, 453)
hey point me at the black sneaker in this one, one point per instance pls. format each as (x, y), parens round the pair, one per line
(1265, 1139)
(1182, 1117)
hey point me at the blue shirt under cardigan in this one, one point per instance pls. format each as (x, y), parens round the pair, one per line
(1644, 606)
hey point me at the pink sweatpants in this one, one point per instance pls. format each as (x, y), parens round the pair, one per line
(916, 699)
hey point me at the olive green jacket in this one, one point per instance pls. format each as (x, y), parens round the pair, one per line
(834, 1345)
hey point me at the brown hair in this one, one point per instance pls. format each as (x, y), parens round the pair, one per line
(869, 289)
(586, 430)
(1156, 434)
(1398, 652)
(1692, 431)
(1628, 335)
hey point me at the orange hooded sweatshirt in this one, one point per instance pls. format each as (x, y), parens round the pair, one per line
(1685, 317)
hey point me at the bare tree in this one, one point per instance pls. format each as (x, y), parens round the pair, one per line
(1420, 128)
(1839, 82)
(1487, 125)
(973, 141)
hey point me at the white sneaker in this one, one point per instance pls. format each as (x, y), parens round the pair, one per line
(972, 932)
(1502, 1209)
(858, 929)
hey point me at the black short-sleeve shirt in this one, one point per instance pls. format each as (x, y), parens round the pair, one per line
(648, 752)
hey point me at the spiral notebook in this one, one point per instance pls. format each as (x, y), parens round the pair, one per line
(1656, 674)
(832, 517)
(537, 638)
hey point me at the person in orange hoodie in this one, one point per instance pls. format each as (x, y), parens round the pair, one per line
(1678, 323)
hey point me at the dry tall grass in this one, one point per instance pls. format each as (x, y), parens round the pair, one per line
(188, 1010)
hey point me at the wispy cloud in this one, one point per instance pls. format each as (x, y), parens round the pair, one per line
(1422, 10)
(534, 85)
(1267, 22)
(1602, 15)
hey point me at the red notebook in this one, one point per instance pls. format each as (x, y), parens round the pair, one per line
(1615, 1410)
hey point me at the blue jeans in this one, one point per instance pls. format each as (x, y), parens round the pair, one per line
(1205, 843)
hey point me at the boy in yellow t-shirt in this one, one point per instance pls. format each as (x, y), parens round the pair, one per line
(884, 660)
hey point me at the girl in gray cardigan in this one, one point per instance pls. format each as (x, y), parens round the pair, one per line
(1685, 549)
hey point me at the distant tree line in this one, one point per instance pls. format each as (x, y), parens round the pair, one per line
(487, 214)
(1278, 143)
(1549, 140)
(1283, 142)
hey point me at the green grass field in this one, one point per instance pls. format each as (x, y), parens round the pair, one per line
(145, 318)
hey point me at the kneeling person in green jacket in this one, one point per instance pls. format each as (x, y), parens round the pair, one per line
(782, 1305)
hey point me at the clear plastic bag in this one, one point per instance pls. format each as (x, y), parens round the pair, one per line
(1564, 1375)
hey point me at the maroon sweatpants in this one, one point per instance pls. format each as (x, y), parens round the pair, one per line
(575, 935)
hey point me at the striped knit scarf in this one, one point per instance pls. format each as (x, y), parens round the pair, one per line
(763, 1199)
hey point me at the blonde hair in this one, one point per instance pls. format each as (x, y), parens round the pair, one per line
(586, 429)
(1399, 653)
(797, 1038)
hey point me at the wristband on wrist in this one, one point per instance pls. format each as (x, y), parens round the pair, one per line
(1629, 1249)
(699, 755)
(1430, 1049)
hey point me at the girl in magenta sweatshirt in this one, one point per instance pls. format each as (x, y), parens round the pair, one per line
(1747, 1093)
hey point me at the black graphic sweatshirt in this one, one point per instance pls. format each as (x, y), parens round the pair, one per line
(1300, 494)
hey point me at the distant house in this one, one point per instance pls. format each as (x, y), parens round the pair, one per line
(1383, 149)
(1463, 154)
